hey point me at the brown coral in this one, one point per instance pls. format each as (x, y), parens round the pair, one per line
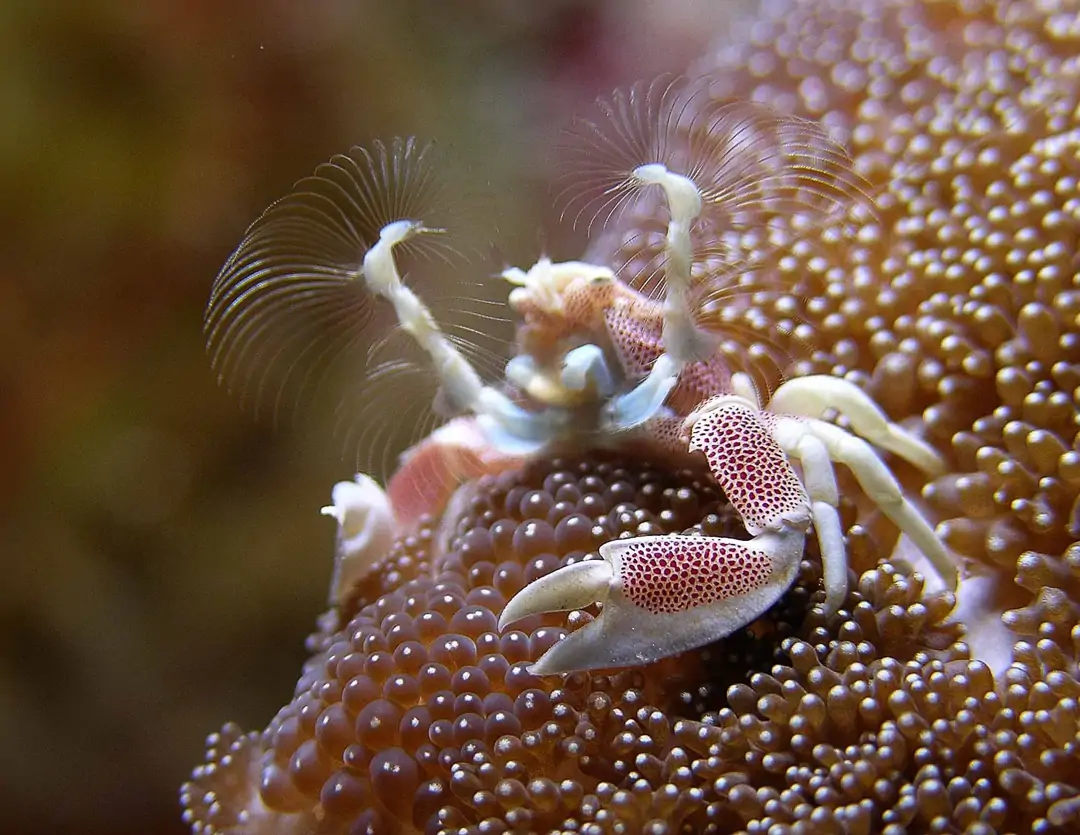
(961, 306)
(418, 715)
(957, 306)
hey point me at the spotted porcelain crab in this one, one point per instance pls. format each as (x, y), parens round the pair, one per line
(601, 363)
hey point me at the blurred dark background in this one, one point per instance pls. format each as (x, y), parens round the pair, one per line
(162, 553)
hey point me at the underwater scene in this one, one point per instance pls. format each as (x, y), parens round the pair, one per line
(641, 420)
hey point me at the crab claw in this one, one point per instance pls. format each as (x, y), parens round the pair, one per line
(571, 587)
(661, 595)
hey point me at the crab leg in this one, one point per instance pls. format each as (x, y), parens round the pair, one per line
(814, 395)
(431, 471)
(820, 480)
(882, 488)
(366, 528)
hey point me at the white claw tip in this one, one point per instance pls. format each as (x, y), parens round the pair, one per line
(571, 587)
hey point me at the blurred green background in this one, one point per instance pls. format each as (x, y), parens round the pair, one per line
(162, 553)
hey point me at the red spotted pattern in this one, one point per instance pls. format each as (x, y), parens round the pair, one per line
(698, 382)
(636, 340)
(667, 433)
(584, 304)
(638, 343)
(670, 576)
(749, 465)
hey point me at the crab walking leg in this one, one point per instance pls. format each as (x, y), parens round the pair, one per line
(366, 528)
(799, 442)
(812, 396)
(880, 485)
(431, 471)
(743, 386)
(661, 595)
(519, 428)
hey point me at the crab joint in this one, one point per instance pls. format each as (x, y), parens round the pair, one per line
(510, 427)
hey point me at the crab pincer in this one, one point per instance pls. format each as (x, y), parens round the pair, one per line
(662, 595)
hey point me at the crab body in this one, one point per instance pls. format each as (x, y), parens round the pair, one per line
(589, 347)
(600, 364)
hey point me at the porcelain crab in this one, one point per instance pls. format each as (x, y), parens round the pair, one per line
(599, 362)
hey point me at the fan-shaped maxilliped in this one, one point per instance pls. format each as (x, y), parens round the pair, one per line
(762, 180)
(293, 321)
(755, 168)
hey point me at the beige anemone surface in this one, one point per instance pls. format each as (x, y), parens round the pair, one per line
(956, 307)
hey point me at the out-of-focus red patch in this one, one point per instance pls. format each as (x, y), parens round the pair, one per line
(431, 471)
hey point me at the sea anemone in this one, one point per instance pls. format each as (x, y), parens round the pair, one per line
(956, 306)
